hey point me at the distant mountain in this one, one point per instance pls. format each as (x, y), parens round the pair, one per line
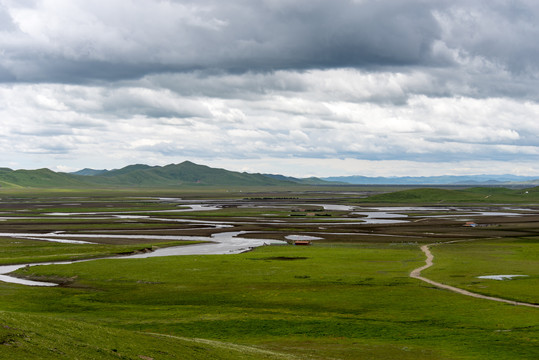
(191, 174)
(434, 180)
(126, 170)
(140, 175)
(89, 172)
(186, 173)
(304, 181)
(533, 182)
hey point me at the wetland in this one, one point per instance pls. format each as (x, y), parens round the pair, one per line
(210, 264)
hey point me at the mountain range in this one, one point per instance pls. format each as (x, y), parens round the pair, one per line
(188, 173)
(173, 175)
(437, 180)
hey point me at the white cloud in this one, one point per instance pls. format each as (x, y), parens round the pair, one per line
(412, 87)
(152, 122)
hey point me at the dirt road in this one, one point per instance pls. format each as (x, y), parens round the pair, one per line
(416, 274)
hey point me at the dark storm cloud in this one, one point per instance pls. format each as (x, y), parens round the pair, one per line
(502, 32)
(82, 42)
(306, 34)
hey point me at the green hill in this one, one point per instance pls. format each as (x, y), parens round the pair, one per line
(39, 178)
(125, 170)
(173, 175)
(186, 173)
(89, 172)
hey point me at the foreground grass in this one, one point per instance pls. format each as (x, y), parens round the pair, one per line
(353, 302)
(24, 336)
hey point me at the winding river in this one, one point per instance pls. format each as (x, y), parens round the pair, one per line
(219, 243)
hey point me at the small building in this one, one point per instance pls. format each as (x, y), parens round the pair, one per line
(470, 224)
(302, 242)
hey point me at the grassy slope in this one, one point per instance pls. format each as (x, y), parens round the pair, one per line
(192, 173)
(445, 196)
(342, 302)
(27, 336)
(40, 178)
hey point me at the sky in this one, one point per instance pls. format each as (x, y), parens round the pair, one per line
(294, 87)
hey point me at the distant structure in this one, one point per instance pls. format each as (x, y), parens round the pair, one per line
(470, 224)
(302, 242)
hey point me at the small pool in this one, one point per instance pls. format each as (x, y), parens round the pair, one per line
(500, 277)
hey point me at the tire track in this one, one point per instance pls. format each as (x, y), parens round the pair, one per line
(230, 346)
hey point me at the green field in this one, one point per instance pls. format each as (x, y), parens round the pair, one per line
(348, 296)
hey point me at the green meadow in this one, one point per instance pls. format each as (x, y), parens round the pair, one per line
(348, 296)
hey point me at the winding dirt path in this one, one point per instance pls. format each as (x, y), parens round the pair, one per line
(416, 274)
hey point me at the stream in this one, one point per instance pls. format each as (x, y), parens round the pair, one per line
(221, 243)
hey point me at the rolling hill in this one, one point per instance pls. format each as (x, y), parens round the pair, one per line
(40, 178)
(89, 172)
(185, 173)
(139, 175)
(188, 174)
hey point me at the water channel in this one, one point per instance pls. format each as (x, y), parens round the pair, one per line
(219, 243)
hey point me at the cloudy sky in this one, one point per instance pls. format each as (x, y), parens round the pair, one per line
(297, 87)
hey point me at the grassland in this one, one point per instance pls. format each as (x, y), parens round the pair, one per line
(349, 296)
